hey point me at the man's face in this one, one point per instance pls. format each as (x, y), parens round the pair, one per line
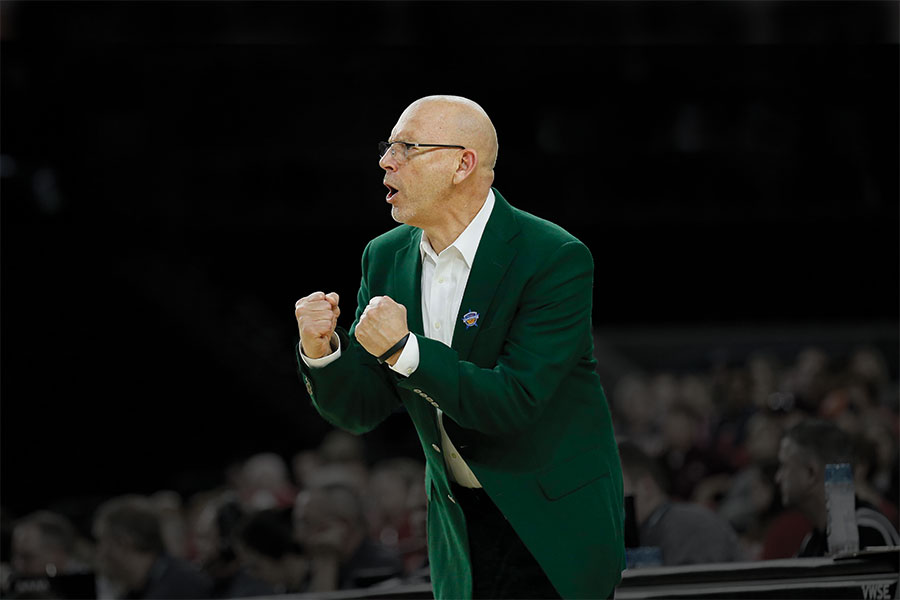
(417, 182)
(30, 555)
(796, 474)
(112, 556)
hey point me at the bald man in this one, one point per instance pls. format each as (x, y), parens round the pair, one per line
(475, 317)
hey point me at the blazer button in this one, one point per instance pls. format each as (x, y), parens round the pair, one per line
(436, 447)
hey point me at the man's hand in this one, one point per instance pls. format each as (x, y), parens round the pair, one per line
(317, 316)
(381, 325)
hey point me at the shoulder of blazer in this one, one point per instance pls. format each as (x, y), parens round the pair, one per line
(532, 229)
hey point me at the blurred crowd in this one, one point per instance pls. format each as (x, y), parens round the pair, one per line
(700, 454)
(714, 439)
(324, 520)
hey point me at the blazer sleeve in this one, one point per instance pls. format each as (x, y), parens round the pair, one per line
(549, 335)
(354, 392)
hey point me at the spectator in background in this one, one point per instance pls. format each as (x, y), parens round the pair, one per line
(685, 533)
(805, 450)
(49, 559)
(808, 378)
(45, 543)
(303, 466)
(345, 452)
(749, 496)
(392, 513)
(865, 463)
(415, 553)
(637, 414)
(215, 552)
(170, 509)
(264, 481)
(267, 549)
(330, 524)
(132, 558)
(684, 456)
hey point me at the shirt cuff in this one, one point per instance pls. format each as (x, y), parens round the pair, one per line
(318, 363)
(408, 361)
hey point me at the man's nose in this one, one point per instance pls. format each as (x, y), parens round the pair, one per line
(388, 162)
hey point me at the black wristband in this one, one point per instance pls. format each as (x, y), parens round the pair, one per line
(393, 349)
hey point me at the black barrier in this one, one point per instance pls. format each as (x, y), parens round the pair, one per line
(872, 574)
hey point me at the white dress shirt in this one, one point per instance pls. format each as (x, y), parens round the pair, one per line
(444, 278)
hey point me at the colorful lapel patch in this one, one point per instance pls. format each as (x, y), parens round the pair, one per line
(470, 319)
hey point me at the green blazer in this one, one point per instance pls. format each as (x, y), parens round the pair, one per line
(520, 397)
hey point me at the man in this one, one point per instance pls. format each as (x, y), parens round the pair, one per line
(265, 545)
(50, 558)
(805, 450)
(44, 544)
(330, 524)
(214, 550)
(685, 533)
(476, 318)
(131, 555)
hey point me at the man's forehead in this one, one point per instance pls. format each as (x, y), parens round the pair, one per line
(427, 118)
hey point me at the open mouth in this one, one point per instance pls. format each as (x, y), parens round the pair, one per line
(392, 191)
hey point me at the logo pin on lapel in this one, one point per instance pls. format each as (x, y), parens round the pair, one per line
(470, 319)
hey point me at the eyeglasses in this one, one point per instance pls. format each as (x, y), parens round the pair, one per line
(399, 150)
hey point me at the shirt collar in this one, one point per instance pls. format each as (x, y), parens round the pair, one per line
(467, 241)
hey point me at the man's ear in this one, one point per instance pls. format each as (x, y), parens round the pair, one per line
(815, 471)
(468, 161)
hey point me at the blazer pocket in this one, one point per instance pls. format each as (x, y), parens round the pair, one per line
(573, 474)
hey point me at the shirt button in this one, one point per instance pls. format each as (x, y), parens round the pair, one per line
(455, 455)
(437, 324)
(441, 280)
(436, 447)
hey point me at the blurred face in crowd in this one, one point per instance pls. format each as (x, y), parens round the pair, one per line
(32, 555)
(319, 524)
(113, 554)
(796, 475)
(390, 491)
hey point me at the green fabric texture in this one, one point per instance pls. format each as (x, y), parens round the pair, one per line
(520, 397)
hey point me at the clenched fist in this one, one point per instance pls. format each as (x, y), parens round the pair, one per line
(381, 325)
(317, 316)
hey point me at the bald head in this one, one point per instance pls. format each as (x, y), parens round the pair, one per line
(459, 120)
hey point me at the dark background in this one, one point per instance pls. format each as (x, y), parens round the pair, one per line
(175, 176)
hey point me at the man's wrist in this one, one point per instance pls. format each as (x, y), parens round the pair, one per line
(407, 360)
(394, 351)
(325, 359)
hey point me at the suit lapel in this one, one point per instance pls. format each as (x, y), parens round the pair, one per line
(407, 288)
(492, 259)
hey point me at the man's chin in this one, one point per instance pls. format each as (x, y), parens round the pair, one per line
(399, 215)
